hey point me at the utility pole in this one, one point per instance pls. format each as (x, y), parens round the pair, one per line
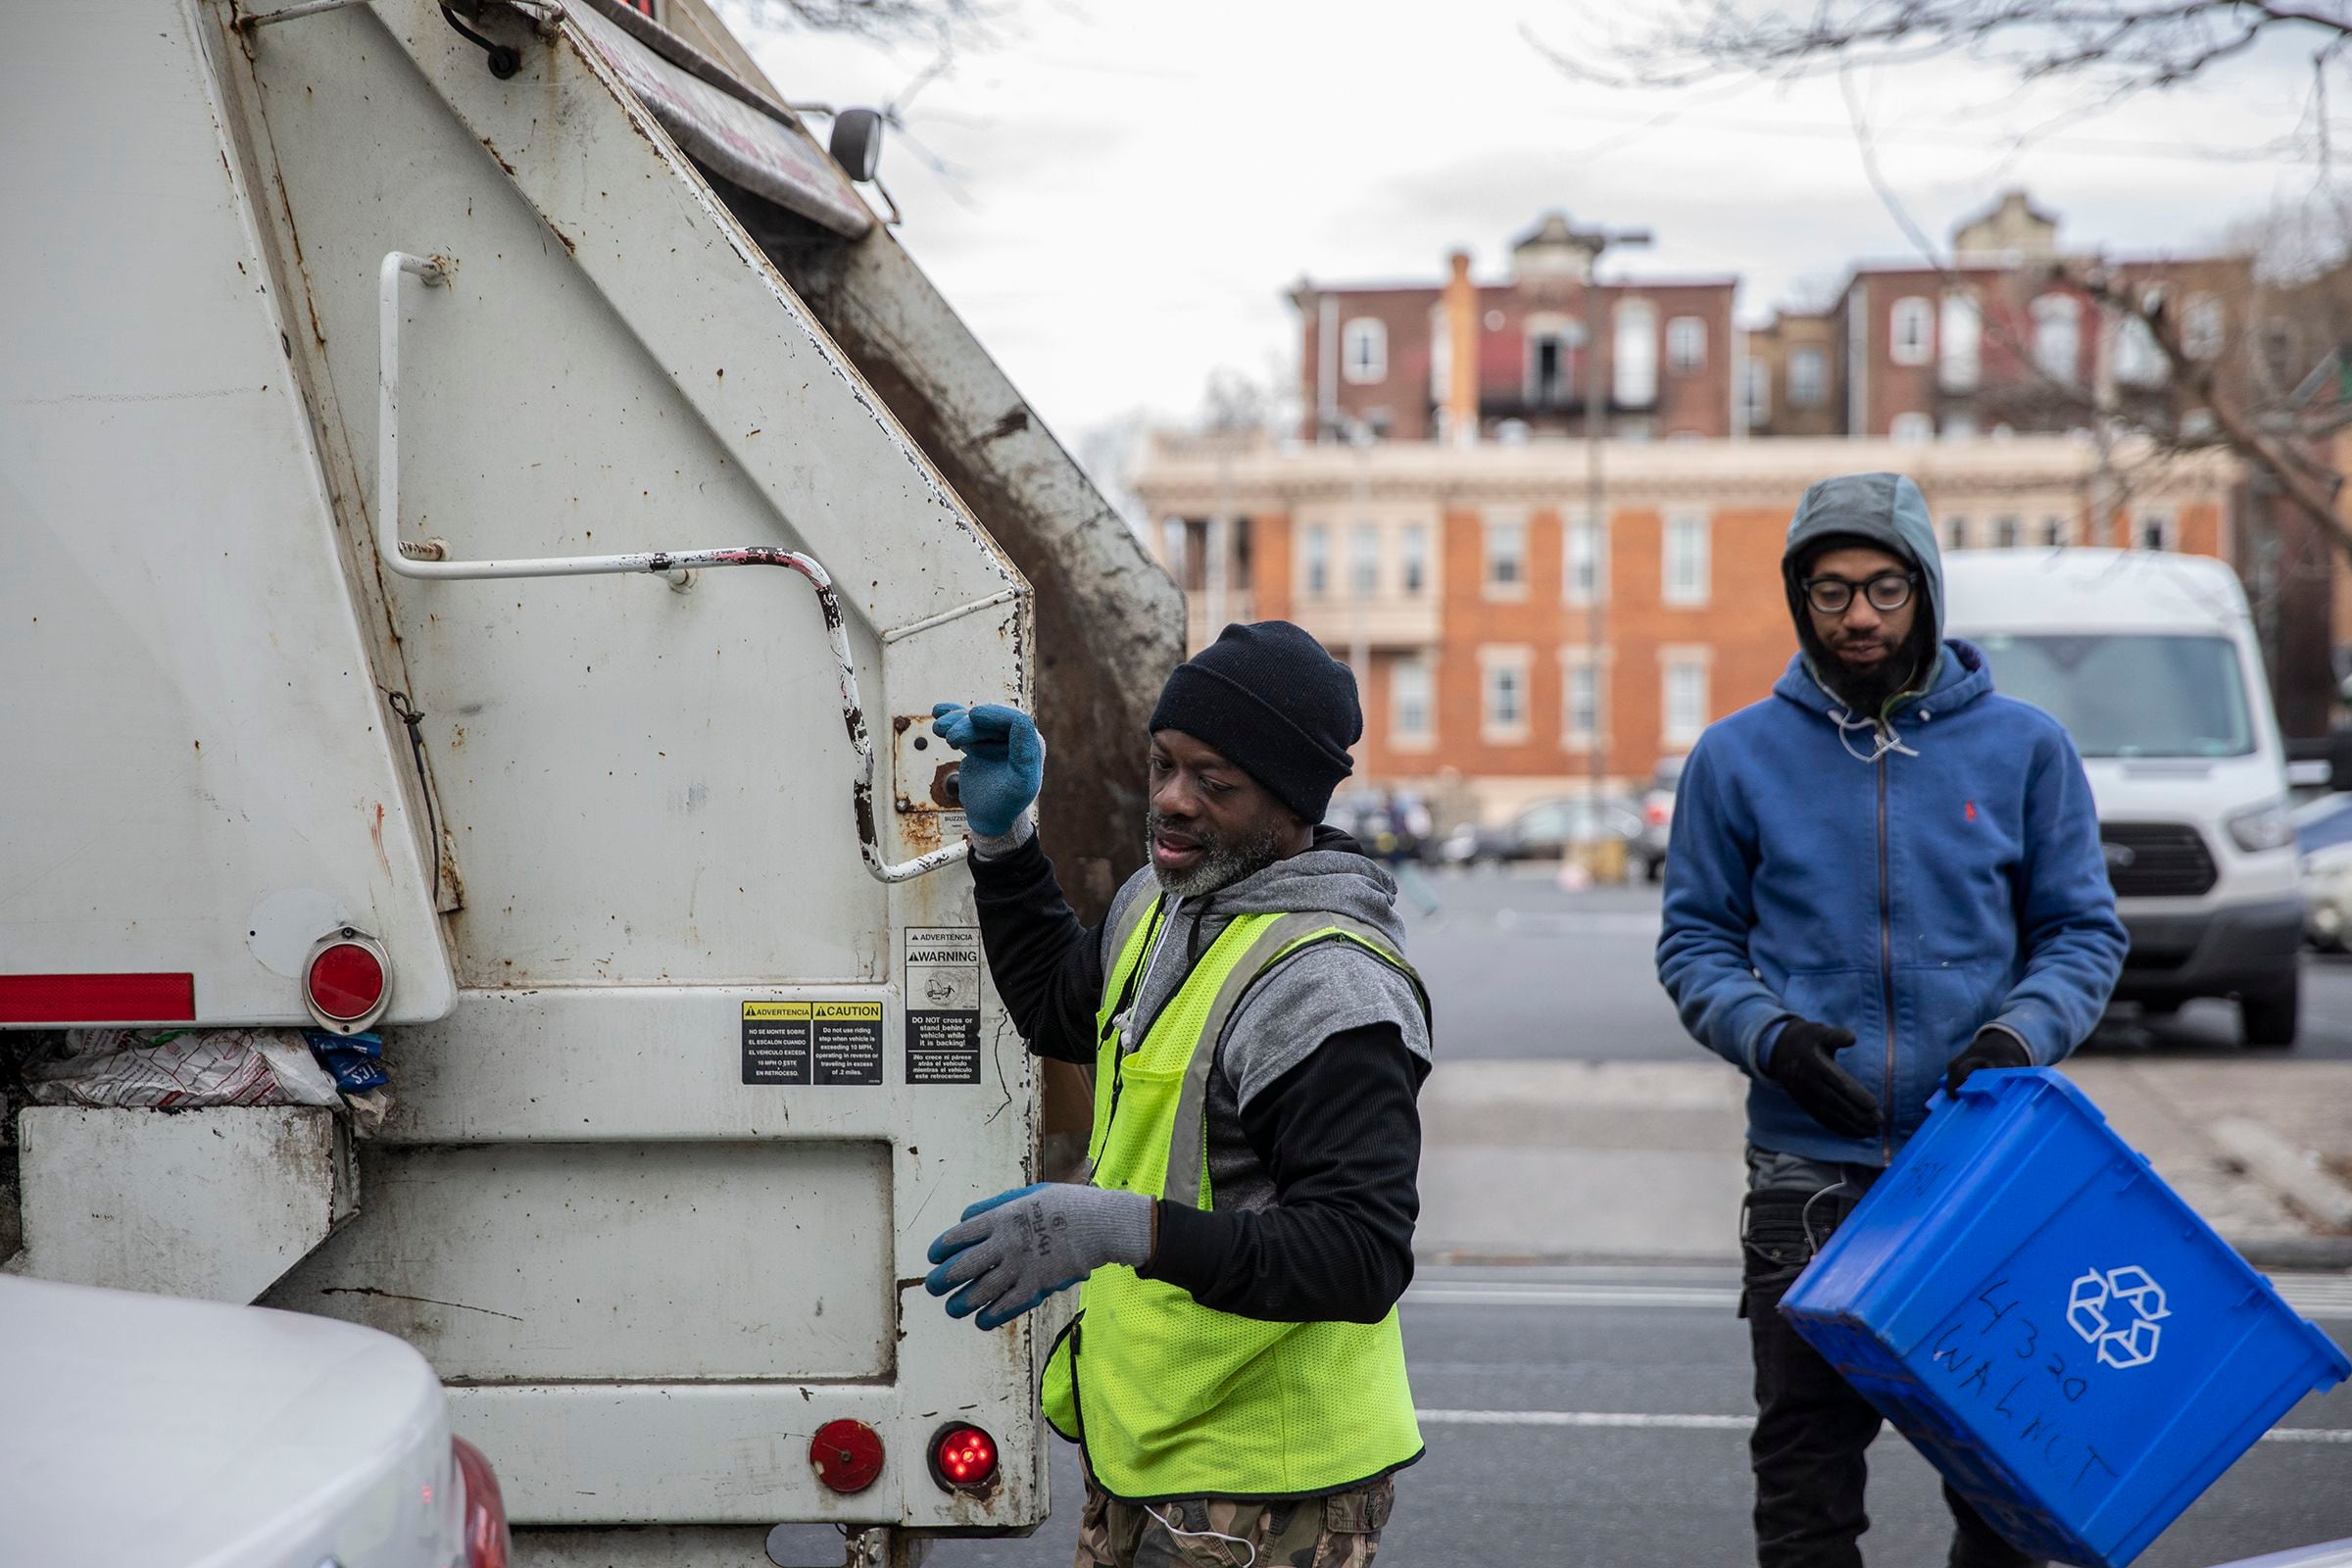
(1597, 405)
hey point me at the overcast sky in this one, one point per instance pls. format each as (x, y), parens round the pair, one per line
(1133, 187)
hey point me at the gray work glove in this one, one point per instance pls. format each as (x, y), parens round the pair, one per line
(1014, 1249)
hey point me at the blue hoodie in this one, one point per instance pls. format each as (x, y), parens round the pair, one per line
(1913, 876)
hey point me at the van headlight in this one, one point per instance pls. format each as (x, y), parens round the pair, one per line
(2260, 827)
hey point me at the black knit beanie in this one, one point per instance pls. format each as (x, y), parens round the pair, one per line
(1276, 704)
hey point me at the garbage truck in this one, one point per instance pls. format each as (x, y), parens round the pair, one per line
(486, 508)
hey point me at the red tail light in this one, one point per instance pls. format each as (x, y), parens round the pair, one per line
(847, 1456)
(487, 1544)
(963, 1458)
(1654, 813)
(346, 981)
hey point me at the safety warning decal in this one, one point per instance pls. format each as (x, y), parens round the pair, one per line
(943, 1005)
(813, 1042)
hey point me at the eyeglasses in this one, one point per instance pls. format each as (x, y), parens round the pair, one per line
(1888, 590)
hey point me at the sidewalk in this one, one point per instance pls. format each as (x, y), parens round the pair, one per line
(1638, 1162)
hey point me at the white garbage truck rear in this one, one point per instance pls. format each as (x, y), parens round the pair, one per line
(455, 586)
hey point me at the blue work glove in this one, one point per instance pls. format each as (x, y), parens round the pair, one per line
(1014, 1249)
(1004, 763)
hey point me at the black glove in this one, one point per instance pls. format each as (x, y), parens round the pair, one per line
(1804, 1062)
(1992, 1048)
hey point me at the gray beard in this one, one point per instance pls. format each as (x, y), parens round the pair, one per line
(1222, 863)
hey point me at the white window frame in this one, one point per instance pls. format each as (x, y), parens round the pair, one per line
(1634, 353)
(1912, 427)
(1364, 351)
(1314, 561)
(2166, 522)
(1757, 390)
(1959, 343)
(1917, 313)
(1577, 663)
(1578, 537)
(2058, 337)
(1418, 668)
(1568, 335)
(2011, 524)
(1496, 660)
(1413, 559)
(1685, 343)
(1686, 558)
(1363, 564)
(1685, 659)
(1493, 527)
(1813, 392)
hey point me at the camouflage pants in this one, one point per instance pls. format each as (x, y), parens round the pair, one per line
(1339, 1531)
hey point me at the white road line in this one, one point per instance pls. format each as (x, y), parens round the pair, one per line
(1639, 1420)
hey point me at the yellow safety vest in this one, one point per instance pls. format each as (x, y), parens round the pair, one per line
(1171, 1399)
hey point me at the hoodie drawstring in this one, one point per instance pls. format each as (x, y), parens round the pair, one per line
(1886, 738)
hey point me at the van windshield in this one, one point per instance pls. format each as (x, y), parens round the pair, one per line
(2130, 696)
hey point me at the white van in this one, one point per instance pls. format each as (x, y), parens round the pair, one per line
(2149, 661)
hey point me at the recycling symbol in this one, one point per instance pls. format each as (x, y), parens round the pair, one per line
(2121, 1312)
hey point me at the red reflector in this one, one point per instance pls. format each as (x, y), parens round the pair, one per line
(847, 1456)
(346, 981)
(1656, 815)
(487, 1542)
(964, 1456)
(97, 997)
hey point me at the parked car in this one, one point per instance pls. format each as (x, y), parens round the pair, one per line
(153, 1429)
(2151, 663)
(2323, 848)
(1547, 830)
(1657, 818)
(1391, 825)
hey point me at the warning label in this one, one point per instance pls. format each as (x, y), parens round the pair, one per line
(943, 1005)
(775, 1041)
(848, 1041)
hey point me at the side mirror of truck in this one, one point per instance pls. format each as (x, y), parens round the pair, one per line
(856, 144)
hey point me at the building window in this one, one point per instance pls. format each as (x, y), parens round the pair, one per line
(1364, 351)
(2058, 337)
(1912, 427)
(1636, 352)
(1960, 424)
(1580, 700)
(1412, 550)
(1173, 535)
(2153, 531)
(1688, 549)
(1685, 702)
(1363, 559)
(2005, 533)
(1441, 355)
(1506, 558)
(1503, 674)
(1911, 332)
(1755, 387)
(2201, 326)
(1585, 560)
(2053, 531)
(1411, 718)
(1686, 343)
(1955, 533)
(1314, 555)
(1808, 379)
(1554, 367)
(1960, 355)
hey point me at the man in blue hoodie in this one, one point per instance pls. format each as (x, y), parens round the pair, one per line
(1883, 877)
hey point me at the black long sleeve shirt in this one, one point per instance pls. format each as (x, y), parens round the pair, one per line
(1339, 1135)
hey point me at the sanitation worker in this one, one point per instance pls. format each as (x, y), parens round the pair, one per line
(1235, 1378)
(1882, 878)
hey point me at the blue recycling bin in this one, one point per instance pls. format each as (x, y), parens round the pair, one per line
(2061, 1336)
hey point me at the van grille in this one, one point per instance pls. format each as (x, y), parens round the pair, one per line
(2156, 859)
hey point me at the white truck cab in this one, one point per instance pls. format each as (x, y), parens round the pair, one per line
(2150, 662)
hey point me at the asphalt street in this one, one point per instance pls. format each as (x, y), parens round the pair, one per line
(1598, 1417)
(1517, 967)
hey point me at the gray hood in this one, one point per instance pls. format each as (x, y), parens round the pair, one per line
(1885, 509)
(1310, 996)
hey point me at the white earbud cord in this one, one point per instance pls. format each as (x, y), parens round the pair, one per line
(1202, 1534)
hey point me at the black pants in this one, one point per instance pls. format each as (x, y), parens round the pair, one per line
(1812, 1429)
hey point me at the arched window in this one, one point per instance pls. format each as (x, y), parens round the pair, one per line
(2058, 337)
(1364, 351)
(1911, 332)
